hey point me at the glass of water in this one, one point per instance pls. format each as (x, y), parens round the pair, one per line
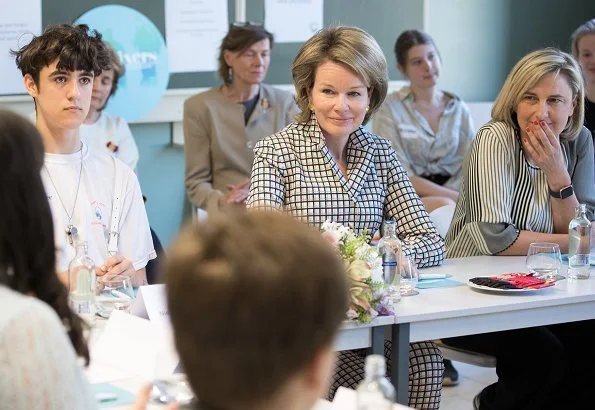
(544, 260)
(409, 276)
(113, 293)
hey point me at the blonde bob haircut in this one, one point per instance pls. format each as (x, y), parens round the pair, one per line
(527, 73)
(351, 47)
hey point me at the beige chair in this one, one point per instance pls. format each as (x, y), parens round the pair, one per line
(441, 218)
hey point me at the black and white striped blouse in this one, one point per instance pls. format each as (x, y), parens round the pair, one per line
(294, 171)
(502, 193)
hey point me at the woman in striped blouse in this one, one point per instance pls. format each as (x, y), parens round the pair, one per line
(328, 167)
(527, 170)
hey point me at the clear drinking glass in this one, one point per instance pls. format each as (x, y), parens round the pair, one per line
(544, 260)
(113, 293)
(409, 276)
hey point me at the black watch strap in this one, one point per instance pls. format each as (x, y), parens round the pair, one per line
(564, 193)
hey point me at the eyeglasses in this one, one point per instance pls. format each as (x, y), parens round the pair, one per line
(246, 24)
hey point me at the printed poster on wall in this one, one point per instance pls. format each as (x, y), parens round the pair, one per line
(18, 24)
(293, 21)
(141, 48)
(193, 32)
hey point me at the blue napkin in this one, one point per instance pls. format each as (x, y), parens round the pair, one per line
(118, 397)
(437, 283)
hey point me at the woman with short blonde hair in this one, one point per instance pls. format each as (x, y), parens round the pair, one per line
(527, 73)
(328, 167)
(527, 171)
(349, 46)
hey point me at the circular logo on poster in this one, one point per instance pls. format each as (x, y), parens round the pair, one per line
(141, 48)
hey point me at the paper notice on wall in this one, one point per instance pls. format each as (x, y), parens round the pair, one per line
(293, 21)
(194, 30)
(18, 23)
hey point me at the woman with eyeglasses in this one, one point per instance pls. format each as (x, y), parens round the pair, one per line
(222, 125)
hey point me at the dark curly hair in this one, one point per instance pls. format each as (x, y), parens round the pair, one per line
(27, 250)
(75, 47)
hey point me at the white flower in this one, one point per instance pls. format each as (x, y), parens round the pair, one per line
(352, 314)
(358, 270)
(333, 237)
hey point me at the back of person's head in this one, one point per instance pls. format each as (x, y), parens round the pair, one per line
(75, 47)
(116, 65)
(409, 39)
(527, 73)
(255, 299)
(27, 251)
(583, 30)
(351, 47)
(240, 37)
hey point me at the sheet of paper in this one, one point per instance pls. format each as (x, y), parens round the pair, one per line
(346, 399)
(193, 32)
(293, 21)
(98, 372)
(136, 347)
(151, 303)
(18, 23)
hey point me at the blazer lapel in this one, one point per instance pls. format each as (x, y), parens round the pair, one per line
(360, 157)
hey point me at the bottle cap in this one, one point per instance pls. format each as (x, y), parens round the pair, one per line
(375, 364)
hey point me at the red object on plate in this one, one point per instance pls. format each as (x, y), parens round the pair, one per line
(524, 281)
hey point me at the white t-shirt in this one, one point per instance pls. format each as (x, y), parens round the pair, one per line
(111, 129)
(38, 365)
(92, 216)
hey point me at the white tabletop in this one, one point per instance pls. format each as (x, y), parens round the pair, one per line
(461, 310)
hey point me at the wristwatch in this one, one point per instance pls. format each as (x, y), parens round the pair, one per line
(564, 193)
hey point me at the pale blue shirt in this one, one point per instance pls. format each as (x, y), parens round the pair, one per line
(420, 150)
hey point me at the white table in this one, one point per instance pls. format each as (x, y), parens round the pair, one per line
(351, 336)
(458, 311)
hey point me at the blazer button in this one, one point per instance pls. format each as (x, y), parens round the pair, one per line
(250, 145)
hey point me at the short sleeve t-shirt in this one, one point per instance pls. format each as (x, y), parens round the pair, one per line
(93, 209)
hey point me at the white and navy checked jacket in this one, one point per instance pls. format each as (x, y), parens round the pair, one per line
(294, 171)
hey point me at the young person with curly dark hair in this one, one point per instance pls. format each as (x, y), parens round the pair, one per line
(93, 197)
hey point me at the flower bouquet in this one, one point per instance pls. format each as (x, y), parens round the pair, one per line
(369, 296)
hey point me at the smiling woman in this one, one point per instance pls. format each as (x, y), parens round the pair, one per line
(328, 167)
(525, 174)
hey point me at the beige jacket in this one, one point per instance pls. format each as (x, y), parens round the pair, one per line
(219, 147)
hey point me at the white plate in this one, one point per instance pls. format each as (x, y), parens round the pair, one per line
(508, 291)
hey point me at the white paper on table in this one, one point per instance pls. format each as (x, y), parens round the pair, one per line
(151, 303)
(136, 347)
(18, 23)
(193, 34)
(293, 21)
(98, 372)
(322, 404)
(346, 399)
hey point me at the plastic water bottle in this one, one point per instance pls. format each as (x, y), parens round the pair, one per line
(81, 284)
(390, 249)
(579, 244)
(375, 392)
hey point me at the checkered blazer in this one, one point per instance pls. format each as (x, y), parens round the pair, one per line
(294, 171)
